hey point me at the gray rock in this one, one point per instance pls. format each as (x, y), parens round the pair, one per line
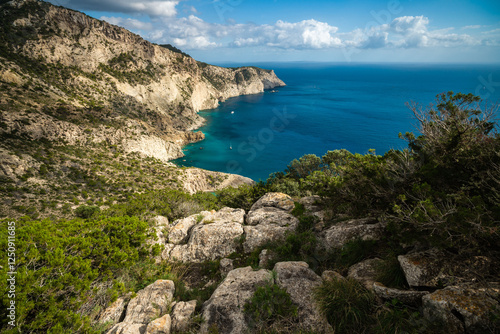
(182, 313)
(128, 328)
(160, 326)
(256, 236)
(339, 234)
(311, 203)
(160, 221)
(150, 302)
(422, 269)
(408, 297)
(226, 265)
(330, 275)
(179, 232)
(270, 215)
(300, 281)
(463, 309)
(267, 224)
(216, 235)
(225, 216)
(114, 312)
(365, 272)
(224, 309)
(265, 258)
(207, 242)
(277, 200)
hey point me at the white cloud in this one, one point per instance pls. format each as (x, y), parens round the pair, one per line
(409, 25)
(128, 23)
(476, 26)
(152, 8)
(192, 33)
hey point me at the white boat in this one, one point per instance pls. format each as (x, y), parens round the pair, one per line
(232, 112)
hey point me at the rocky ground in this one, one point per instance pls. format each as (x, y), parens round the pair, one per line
(445, 292)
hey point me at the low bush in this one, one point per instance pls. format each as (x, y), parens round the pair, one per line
(270, 305)
(347, 305)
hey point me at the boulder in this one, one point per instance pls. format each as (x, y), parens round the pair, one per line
(225, 266)
(128, 328)
(408, 297)
(464, 308)
(365, 272)
(265, 258)
(209, 235)
(224, 309)
(160, 326)
(207, 242)
(182, 312)
(114, 312)
(277, 200)
(225, 216)
(160, 221)
(300, 281)
(269, 215)
(179, 232)
(421, 269)
(435, 268)
(339, 234)
(267, 224)
(330, 275)
(150, 302)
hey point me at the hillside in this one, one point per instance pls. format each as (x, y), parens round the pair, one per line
(101, 234)
(81, 100)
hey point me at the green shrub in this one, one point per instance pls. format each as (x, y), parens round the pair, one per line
(86, 211)
(269, 304)
(60, 265)
(347, 305)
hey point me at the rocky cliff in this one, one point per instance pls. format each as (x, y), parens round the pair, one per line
(84, 102)
(68, 66)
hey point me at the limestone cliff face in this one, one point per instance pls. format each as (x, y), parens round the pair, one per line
(76, 74)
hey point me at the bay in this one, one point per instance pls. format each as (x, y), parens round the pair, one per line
(325, 107)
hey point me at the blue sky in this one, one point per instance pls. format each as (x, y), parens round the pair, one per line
(296, 30)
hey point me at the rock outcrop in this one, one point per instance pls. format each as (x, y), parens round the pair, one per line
(267, 224)
(182, 312)
(463, 308)
(365, 272)
(224, 310)
(339, 234)
(150, 302)
(208, 236)
(215, 235)
(274, 200)
(299, 281)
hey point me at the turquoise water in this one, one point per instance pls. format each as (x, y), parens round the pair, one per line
(326, 107)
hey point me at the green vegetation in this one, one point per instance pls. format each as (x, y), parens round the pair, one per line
(346, 304)
(83, 211)
(68, 270)
(442, 190)
(270, 310)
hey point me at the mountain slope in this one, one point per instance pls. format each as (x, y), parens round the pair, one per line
(76, 90)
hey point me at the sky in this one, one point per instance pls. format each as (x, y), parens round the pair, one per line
(218, 31)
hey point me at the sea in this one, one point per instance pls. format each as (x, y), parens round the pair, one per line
(357, 107)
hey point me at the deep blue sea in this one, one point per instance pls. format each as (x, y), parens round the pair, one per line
(326, 107)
